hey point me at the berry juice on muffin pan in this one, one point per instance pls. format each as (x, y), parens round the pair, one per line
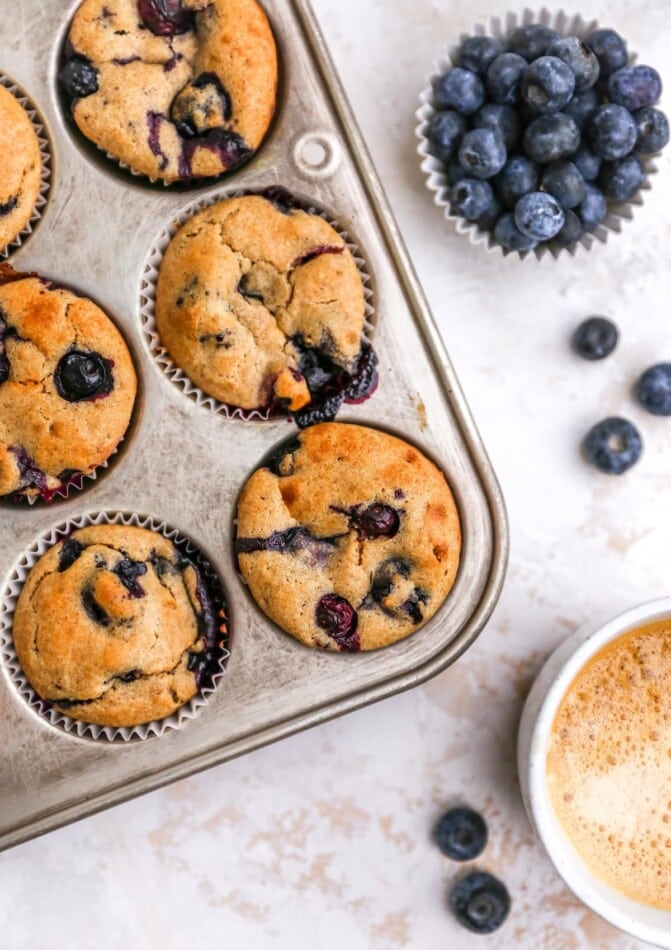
(186, 467)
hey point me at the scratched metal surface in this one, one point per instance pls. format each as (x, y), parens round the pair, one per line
(186, 465)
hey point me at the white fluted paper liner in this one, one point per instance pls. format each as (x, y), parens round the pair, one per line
(8, 605)
(79, 483)
(33, 114)
(148, 302)
(436, 178)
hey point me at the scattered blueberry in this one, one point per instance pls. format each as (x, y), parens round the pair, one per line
(501, 118)
(613, 445)
(339, 620)
(652, 129)
(654, 389)
(482, 153)
(635, 87)
(504, 76)
(459, 89)
(539, 216)
(612, 132)
(518, 177)
(477, 52)
(165, 17)
(471, 198)
(587, 163)
(570, 231)
(582, 107)
(579, 58)
(564, 182)
(444, 134)
(461, 834)
(622, 179)
(531, 41)
(81, 376)
(509, 235)
(79, 78)
(610, 50)
(547, 85)
(550, 137)
(375, 521)
(594, 209)
(595, 338)
(480, 902)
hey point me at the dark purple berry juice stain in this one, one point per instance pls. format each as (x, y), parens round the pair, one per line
(128, 572)
(317, 252)
(330, 385)
(338, 619)
(229, 147)
(154, 122)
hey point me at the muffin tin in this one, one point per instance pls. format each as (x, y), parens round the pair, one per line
(185, 465)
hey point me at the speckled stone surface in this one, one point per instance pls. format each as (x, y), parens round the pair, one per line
(322, 841)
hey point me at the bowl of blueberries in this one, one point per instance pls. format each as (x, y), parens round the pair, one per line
(537, 136)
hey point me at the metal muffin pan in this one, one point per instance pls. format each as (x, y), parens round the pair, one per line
(186, 465)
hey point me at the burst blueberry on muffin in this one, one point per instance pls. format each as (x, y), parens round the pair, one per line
(175, 89)
(20, 168)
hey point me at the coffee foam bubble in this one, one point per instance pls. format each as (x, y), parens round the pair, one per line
(609, 764)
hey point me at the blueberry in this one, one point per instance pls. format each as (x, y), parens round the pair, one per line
(81, 376)
(455, 172)
(612, 132)
(375, 521)
(509, 235)
(165, 17)
(635, 87)
(500, 118)
(480, 902)
(444, 133)
(587, 163)
(653, 389)
(339, 620)
(550, 137)
(459, 89)
(69, 553)
(491, 214)
(79, 78)
(504, 76)
(564, 182)
(482, 153)
(613, 445)
(128, 572)
(547, 85)
(461, 834)
(622, 179)
(609, 48)
(571, 230)
(518, 177)
(471, 198)
(477, 52)
(539, 216)
(531, 41)
(595, 338)
(4, 368)
(582, 107)
(594, 209)
(579, 58)
(652, 129)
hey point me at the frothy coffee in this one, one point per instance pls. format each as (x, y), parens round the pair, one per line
(609, 764)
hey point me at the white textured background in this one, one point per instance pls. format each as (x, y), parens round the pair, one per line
(323, 842)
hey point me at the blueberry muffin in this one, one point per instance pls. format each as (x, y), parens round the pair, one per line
(261, 304)
(67, 386)
(117, 627)
(175, 89)
(20, 168)
(348, 538)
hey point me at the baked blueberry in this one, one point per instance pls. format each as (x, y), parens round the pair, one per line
(364, 377)
(477, 52)
(622, 179)
(652, 130)
(509, 235)
(338, 619)
(547, 85)
(579, 58)
(531, 41)
(518, 177)
(564, 182)
(501, 118)
(593, 210)
(539, 216)
(461, 834)
(81, 375)
(79, 78)
(587, 163)
(375, 521)
(612, 132)
(582, 107)
(653, 389)
(613, 445)
(610, 50)
(471, 198)
(635, 87)
(165, 17)
(595, 338)
(482, 153)
(444, 134)
(550, 137)
(504, 76)
(480, 902)
(570, 231)
(459, 89)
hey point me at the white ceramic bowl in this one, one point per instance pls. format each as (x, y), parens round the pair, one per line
(638, 920)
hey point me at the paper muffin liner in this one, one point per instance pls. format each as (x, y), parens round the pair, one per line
(436, 178)
(148, 303)
(44, 709)
(39, 125)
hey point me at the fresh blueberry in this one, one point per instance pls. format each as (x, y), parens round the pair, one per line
(165, 17)
(587, 163)
(539, 216)
(477, 52)
(455, 172)
(482, 153)
(622, 179)
(79, 78)
(571, 230)
(609, 48)
(364, 377)
(491, 214)
(635, 87)
(612, 132)
(550, 137)
(547, 85)
(500, 118)
(653, 389)
(531, 41)
(579, 58)
(459, 89)
(471, 198)
(509, 235)
(80, 375)
(518, 177)
(504, 76)
(480, 902)
(594, 209)
(613, 445)
(461, 834)
(564, 182)
(444, 133)
(339, 620)
(595, 338)
(652, 128)
(582, 107)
